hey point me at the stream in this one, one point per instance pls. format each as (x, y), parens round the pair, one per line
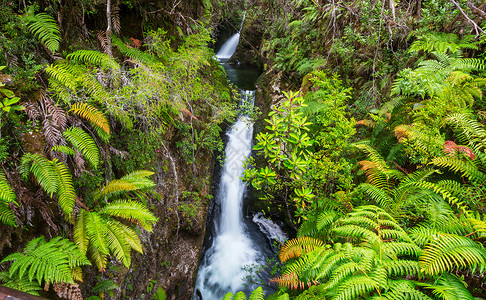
(235, 241)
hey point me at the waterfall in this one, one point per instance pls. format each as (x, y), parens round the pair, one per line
(221, 270)
(229, 47)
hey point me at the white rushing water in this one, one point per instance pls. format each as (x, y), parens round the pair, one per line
(229, 47)
(221, 270)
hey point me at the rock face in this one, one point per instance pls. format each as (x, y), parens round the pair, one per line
(172, 251)
(248, 50)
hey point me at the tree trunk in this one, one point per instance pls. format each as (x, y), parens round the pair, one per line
(108, 29)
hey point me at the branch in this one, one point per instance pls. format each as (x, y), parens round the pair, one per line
(476, 27)
(476, 9)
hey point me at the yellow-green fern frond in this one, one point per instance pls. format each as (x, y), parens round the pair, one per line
(446, 252)
(7, 195)
(94, 57)
(84, 143)
(117, 186)
(20, 284)
(299, 246)
(92, 114)
(133, 211)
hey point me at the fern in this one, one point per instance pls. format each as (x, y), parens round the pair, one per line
(63, 149)
(53, 177)
(442, 43)
(20, 284)
(135, 181)
(45, 28)
(66, 193)
(7, 195)
(94, 57)
(91, 114)
(448, 251)
(49, 262)
(299, 246)
(99, 235)
(84, 143)
(135, 54)
(132, 211)
(42, 169)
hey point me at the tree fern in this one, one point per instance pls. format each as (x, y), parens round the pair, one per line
(92, 114)
(45, 28)
(84, 143)
(49, 262)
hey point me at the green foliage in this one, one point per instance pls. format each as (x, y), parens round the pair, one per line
(84, 143)
(447, 252)
(53, 177)
(92, 114)
(45, 28)
(7, 196)
(20, 284)
(257, 294)
(99, 233)
(47, 262)
(96, 58)
(442, 43)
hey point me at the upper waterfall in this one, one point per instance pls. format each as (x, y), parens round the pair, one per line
(229, 47)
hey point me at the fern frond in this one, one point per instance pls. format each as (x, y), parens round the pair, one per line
(448, 251)
(131, 210)
(84, 143)
(51, 261)
(465, 167)
(143, 57)
(117, 243)
(92, 114)
(7, 194)
(45, 28)
(42, 169)
(20, 284)
(67, 195)
(299, 246)
(117, 186)
(63, 149)
(94, 57)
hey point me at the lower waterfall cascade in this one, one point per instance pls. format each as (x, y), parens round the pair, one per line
(237, 242)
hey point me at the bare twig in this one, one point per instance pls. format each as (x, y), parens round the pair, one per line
(476, 26)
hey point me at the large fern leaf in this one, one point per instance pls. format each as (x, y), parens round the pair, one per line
(67, 195)
(84, 143)
(131, 210)
(49, 262)
(42, 169)
(45, 28)
(92, 114)
(449, 251)
(94, 57)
